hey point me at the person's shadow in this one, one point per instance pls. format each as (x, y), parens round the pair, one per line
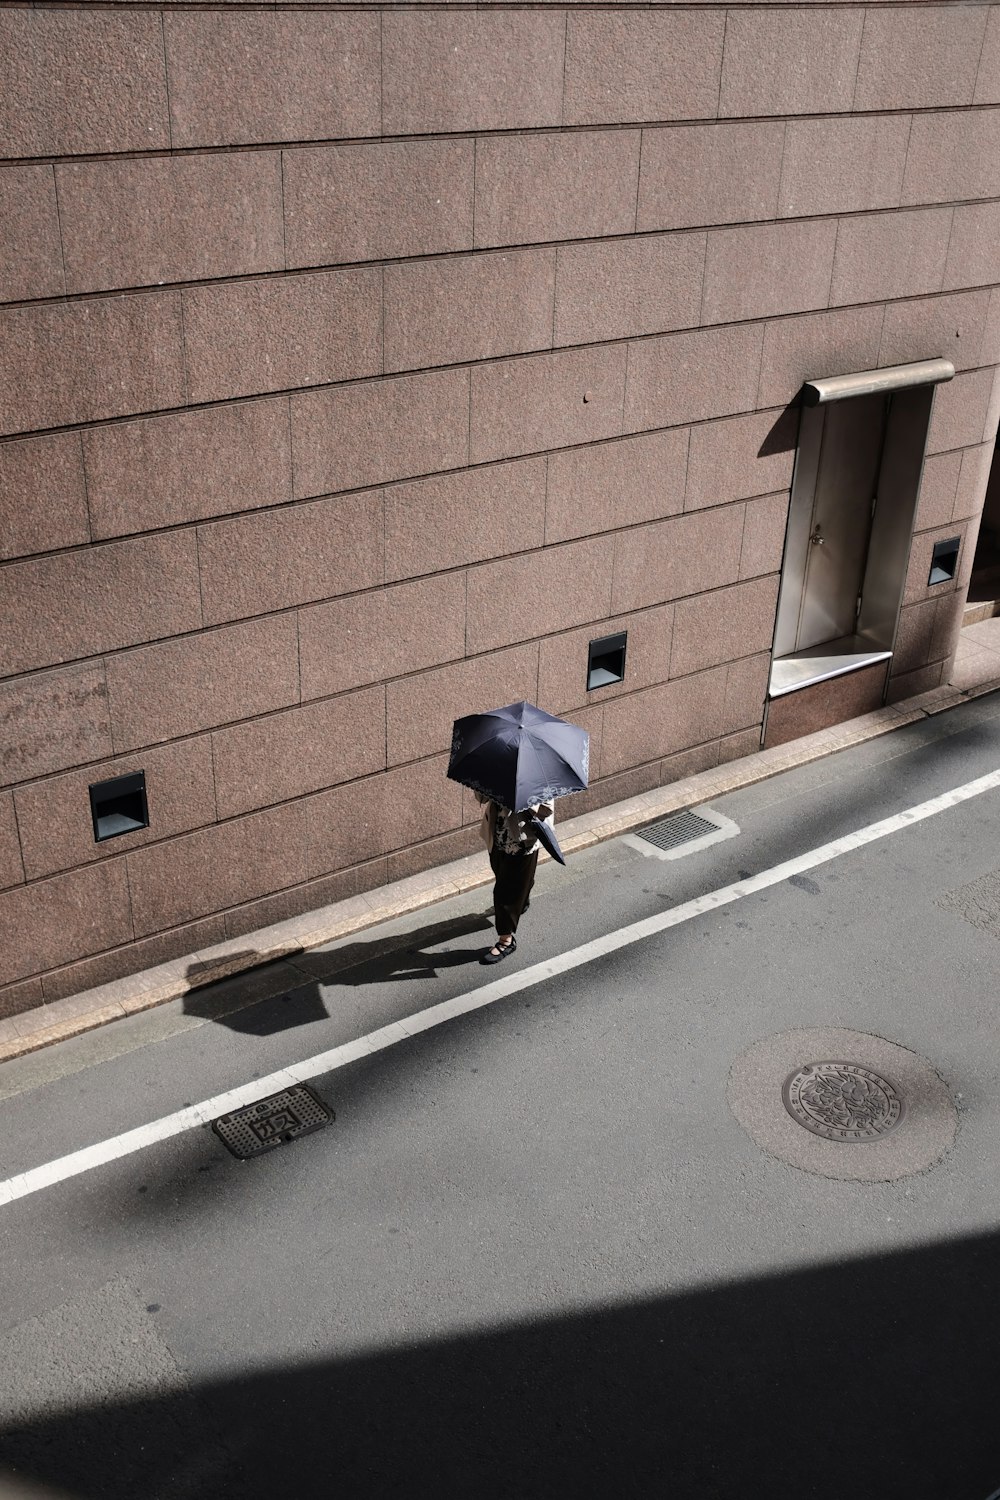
(273, 997)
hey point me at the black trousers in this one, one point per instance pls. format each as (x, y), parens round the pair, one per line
(515, 875)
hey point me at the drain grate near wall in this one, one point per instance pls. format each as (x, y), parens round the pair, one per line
(268, 1123)
(683, 833)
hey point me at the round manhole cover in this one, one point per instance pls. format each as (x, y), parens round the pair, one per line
(842, 1102)
(883, 1115)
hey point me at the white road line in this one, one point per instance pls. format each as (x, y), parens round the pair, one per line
(77, 1162)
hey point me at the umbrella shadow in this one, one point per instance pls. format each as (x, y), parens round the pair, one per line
(409, 955)
(279, 996)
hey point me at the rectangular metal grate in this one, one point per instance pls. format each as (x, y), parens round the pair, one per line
(680, 829)
(262, 1126)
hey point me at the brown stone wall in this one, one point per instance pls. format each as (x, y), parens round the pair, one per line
(357, 367)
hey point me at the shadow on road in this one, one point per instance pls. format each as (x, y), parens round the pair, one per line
(249, 1003)
(878, 1376)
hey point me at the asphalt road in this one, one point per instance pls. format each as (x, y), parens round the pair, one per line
(536, 1254)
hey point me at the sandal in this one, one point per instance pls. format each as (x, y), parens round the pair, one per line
(498, 952)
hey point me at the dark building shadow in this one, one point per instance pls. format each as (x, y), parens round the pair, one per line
(875, 1377)
(238, 1002)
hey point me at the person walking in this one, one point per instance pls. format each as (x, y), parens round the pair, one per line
(512, 841)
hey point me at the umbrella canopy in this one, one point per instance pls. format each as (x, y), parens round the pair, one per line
(519, 755)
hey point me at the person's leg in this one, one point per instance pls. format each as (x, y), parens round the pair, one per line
(515, 874)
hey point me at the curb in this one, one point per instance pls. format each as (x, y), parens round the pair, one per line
(61, 1019)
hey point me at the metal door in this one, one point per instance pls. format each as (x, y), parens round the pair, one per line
(841, 521)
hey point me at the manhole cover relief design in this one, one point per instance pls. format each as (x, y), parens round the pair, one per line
(262, 1126)
(842, 1102)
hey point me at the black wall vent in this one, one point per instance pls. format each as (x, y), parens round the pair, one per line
(944, 560)
(606, 661)
(119, 806)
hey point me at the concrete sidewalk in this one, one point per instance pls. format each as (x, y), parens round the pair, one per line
(976, 671)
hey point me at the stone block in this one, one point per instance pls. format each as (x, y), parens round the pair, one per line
(30, 251)
(740, 456)
(642, 65)
(709, 174)
(973, 478)
(685, 377)
(521, 597)
(746, 689)
(298, 553)
(921, 549)
(52, 720)
(174, 218)
(422, 709)
(948, 326)
(625, 288)
(43, 500)
(265, 76)
(804, 348)
(450, 520)
(70, 916)
(57, 831)
(764, 535)
(790, 62)
(824, 704)
(761, 269)
(555, 187)
(915, 637)
(468, 70)
(203, 873)
(897, 254)
(988, 80)
(723, 625)
(562, 665)
(129, 962)
(989, 353)
(274, 334)
(404, 806)
(938, 488)
(468, 307)
(11, 866)
(953, 155)
(608, 485)
(80, 603)
(162, 471)
(301, 750)
(369, 637)
(77, 81)
(308, 899)
(924, 57)
(15, 999)
(974, 248)
(680, 556)
(914, 684)
(200, 681)
(391, 429)
(377, 201)
(736, 746)
(843, 166)
(63, 363)
(960, 410)
(661, 721)
(435, 852)
(546, 401)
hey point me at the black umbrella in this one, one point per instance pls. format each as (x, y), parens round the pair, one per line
(519, 755)
(547, 839)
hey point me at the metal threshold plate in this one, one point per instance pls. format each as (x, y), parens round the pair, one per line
(683, 833)
(262, 1126)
